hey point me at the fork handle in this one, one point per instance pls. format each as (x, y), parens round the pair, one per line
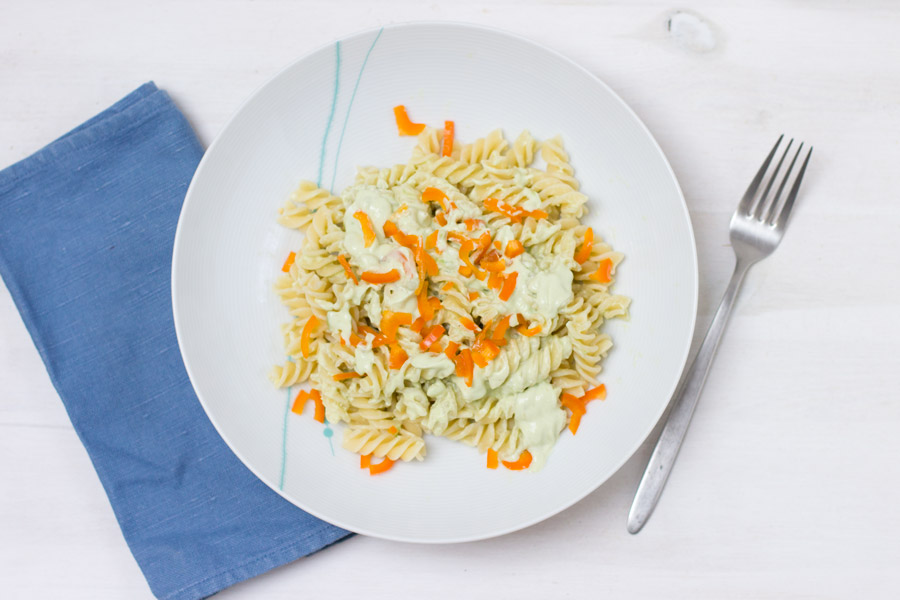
(682, 408)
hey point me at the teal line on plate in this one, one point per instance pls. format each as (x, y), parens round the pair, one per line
(329, 432)
(287, 411)
(337, 154)
(334, 98)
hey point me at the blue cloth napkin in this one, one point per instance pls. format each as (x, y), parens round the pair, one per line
(86, 232)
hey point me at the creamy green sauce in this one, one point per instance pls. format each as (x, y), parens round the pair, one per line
(539, 292)
(438, 363)
(341, 322)
(443, 407)
(540, 418)
(363, 360)
(533, 201)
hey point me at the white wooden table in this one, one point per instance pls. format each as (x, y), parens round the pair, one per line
(788, 485)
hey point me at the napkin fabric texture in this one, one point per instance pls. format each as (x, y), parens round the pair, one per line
(86, 232)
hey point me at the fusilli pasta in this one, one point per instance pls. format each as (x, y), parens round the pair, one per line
(454, 295)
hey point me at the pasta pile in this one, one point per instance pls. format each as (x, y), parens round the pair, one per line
(457, 294)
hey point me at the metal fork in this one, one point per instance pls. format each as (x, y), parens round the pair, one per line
(757, 227)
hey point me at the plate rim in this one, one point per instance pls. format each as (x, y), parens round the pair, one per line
(178, 245)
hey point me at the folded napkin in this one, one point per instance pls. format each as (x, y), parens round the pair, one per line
(86, 232)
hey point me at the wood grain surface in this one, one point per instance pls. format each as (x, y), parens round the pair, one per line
(787, 486)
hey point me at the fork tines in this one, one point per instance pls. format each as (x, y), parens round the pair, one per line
(763, 206)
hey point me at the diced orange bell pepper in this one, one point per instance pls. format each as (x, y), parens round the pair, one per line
(367, 229)
(523, 462)
(447, 146)
(391, 321)
(509, 285)
(404, 125)
(384, 465)
(587, 245)
(288, 262)
(306, 334)
(603, 274)
(378, 278)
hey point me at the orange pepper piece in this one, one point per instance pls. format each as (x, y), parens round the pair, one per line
(440, 218)
(528, 332)
(483, 244)
(431, 268)
(426, 311)
(404, 125)
(350, 275)
(469, 324)
(478, 359)
(447, 147)
(376, 278)
(299, 401)
(391, 321)
(398, 356)
(288, 262)
(603, 274)
(514, 248)
(484, 351)
(576, 405)
(432, 194)
(492, 459)
(418, 253)
(575, 421)
(347, 375)
(366, 224)
(417, 325)
(494, 205)
(434, 334)
(499, 335)
(509, 285)
(587, 245)
(450, 350)
(571, 402)
(493, 266)
(380, 339)
(465, 366)
(306, 334)
(320, 407)
(465, 249)
(431, 240)
(485, 330)
(384, 465)
(391, 230)
(523, 462)
(459, 237)
(598, 393)
(364, 461)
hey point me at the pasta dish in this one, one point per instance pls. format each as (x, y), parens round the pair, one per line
(456, 295)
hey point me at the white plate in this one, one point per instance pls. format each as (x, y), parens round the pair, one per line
(301, 125)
